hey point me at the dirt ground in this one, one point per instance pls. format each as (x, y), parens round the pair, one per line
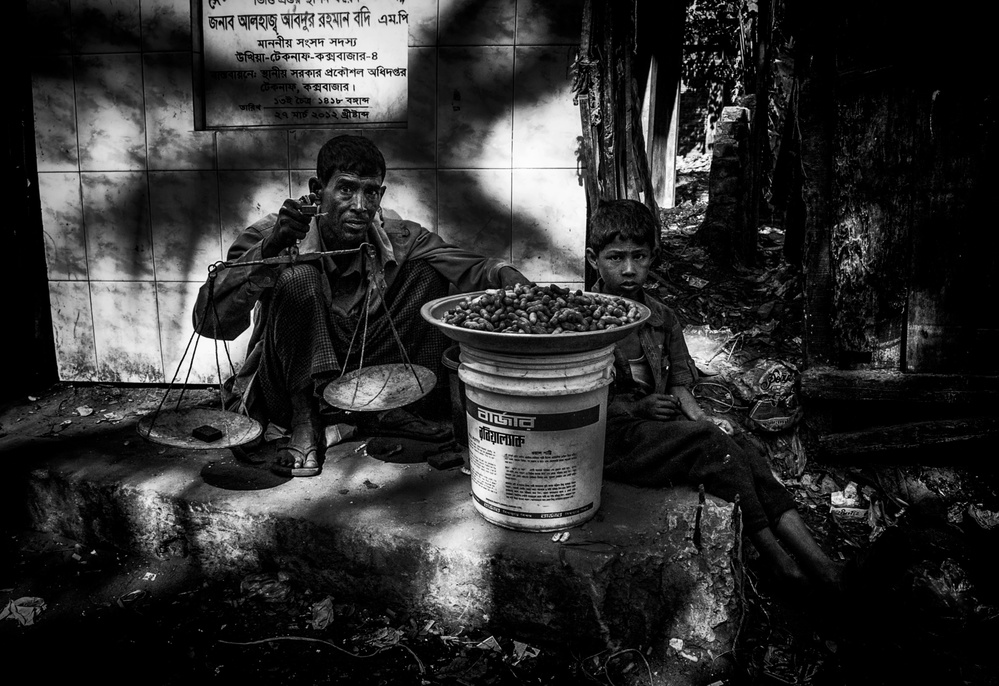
(921, 605)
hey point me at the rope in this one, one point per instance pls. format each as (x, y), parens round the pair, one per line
(196, 334)
(374, 284)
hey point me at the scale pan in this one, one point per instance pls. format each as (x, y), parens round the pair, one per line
(176, 428)
(381, 387)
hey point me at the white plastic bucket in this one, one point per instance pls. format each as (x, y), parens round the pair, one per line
(536, 427)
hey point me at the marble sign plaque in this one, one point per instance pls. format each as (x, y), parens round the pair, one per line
(297, 63)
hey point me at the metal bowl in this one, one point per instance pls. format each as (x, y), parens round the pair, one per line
(175, 428)
(542, 343)
(381, 387)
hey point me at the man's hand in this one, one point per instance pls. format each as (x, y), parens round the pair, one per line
(510, 277)
(290, 227)
(658, 406)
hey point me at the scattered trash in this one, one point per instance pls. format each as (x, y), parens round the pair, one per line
(383, 637)
(848, 504)
(561, 537)
(149, 576)
(272, 588)
(696, 281)
(947, 583)
(522, 651)
(987, 519)
(322, 613)
(132, 597)
(848, 497)
(84, 411)
(490, 644)
(24, 610)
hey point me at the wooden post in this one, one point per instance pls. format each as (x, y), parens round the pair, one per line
(613, 144)
(661, 137)
(760, 131)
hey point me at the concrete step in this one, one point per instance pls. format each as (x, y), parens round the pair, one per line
(658, 571)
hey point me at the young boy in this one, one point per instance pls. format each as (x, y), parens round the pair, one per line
(657, 434)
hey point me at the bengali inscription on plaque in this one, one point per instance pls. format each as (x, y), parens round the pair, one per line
(305, 62)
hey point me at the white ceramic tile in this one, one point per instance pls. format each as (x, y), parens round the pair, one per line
(126, 332)
(116, 212)
(477, 22)
(105, 26)
(185, 222)
(52, 19)
(304, 145)
(475, 107)
(73, 330)
(166, 25)
(171, 139)
(549, 224)
(300, 182)
(246, 196)
(110, 111)
(422, 22)
(414, 146)
(62, 225)
(475, 210)
(54, 105)
(549, 22)
(412, 194)
(186, 357)
(546, 124)
(252, 149)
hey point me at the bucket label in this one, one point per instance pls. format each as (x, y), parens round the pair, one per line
(561, 421)
(535, 466)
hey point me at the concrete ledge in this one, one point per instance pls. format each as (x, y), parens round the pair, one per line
(650, 567)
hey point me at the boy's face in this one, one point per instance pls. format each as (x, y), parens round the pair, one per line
(623, 266)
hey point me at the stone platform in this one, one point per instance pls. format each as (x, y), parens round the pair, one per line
(654, 570)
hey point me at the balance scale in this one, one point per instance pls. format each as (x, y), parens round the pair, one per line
(368, 389)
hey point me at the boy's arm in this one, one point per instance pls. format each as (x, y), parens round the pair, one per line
(694, 412)
(688, 403)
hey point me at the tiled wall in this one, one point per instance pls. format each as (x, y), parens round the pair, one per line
(136, 204)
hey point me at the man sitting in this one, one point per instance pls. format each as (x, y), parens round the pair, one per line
(306, 313)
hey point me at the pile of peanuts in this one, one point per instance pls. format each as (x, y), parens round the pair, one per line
(541, 310)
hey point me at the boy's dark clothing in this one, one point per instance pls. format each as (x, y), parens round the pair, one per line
(645, 452)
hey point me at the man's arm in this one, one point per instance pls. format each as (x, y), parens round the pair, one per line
(223, 308)
(467, 270)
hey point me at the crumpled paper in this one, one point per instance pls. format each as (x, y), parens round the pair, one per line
(322, 613)
(25, 609)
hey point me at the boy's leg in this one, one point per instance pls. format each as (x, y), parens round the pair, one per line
(650, 453)
(793, 531)
(782, 565)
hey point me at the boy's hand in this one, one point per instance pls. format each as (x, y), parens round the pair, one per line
(658, 406)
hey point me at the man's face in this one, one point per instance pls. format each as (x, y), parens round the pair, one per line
(623, 265)
(349, 203)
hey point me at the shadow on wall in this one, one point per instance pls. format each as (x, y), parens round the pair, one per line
(539, 241)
